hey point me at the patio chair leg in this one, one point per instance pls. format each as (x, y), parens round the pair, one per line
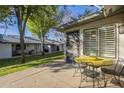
(99, 85)
(93, 77)
(105, 80)
(119, 82)
(80, 82)
(74, 73)
(76, 70)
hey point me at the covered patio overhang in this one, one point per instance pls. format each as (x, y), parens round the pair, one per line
(77, 32)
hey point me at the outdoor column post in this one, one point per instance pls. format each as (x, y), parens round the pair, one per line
(81, 41)
(65, 48)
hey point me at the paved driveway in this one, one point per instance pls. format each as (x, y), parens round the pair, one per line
(52, 75)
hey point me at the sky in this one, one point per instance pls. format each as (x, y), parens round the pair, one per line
(78, 9)
(75, 10)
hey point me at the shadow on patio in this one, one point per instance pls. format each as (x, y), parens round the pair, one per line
(59, 66)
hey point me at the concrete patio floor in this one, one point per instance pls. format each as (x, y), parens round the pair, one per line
(52, 75)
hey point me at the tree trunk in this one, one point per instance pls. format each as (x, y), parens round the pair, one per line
(22, 48)
(18, 15)
(43, 47)
(42, 44)
(19, 10)
(43, 52)
(21, 41)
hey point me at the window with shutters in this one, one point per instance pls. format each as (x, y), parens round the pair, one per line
(100, 42)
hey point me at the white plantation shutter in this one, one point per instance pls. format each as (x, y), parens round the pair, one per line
(107, 41)
(90, 42)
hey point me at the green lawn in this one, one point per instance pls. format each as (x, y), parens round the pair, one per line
(12, 65)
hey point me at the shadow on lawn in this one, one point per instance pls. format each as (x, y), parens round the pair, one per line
(29, 59)
(33, 63)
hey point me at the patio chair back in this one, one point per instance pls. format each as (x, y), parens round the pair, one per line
(119, 68)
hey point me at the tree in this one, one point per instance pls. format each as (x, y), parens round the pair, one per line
(40, 23)
(23, 13)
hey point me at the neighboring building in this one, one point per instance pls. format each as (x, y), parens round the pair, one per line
(53, 46)
(99, 34)
(10, 46)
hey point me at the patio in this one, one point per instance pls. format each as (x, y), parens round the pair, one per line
(56, 74)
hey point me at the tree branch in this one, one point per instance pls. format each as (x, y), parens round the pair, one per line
(26, 19)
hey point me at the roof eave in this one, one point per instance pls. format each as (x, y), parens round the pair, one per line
(94, 18)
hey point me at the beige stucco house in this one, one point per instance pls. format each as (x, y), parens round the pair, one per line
(99, 34)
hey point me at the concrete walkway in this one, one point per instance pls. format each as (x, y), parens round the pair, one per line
(52, 75)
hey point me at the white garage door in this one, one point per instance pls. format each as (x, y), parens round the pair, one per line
(5, 51)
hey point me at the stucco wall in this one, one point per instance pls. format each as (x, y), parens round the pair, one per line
(5, 51)
(121, 45)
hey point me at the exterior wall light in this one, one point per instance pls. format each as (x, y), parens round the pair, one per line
(121, 29)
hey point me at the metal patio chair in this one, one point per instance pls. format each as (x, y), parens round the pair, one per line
(117, 70)
(86, 71)
(78, 66)
(92, 73)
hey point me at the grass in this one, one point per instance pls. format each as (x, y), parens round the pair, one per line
(8, 66)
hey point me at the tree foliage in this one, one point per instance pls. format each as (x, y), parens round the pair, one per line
(40, 23)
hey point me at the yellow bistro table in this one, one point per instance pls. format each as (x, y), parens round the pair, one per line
(94, 62)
